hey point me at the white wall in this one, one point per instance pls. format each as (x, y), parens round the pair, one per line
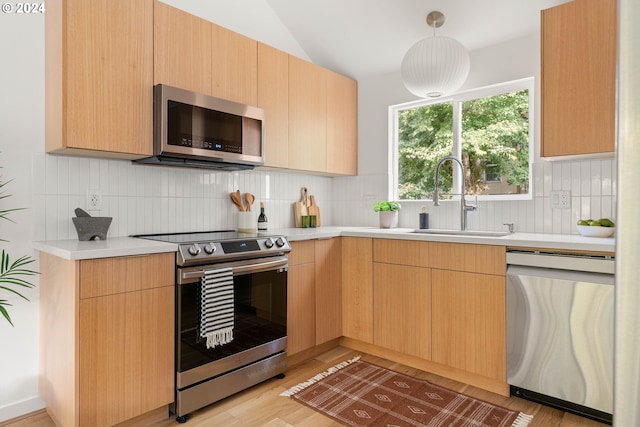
(141, 199)
(592, 183)
(21, 133)
(145, 199)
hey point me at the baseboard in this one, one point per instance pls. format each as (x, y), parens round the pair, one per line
(310, 353)
(490, 384)
(20, 409)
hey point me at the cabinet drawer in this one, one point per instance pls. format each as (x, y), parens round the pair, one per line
(302, 252)
(404, 252)
(107, 276)
(484, 259)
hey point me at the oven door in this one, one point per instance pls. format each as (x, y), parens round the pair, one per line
(260, 319)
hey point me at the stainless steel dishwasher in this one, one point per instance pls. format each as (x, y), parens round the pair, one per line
(560, 330)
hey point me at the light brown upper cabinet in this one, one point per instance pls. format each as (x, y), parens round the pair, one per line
(194, 54)
(322, 120)
(182, 49)
(234, 66)
(342, 124)
(578, 78)
(99, 77)
(307, 116)
(273, 97)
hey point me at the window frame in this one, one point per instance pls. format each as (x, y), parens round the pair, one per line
(457, 99)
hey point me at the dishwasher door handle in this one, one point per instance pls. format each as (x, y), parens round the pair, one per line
(593, 264)
(569, 275)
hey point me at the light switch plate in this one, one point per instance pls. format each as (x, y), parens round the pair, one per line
(561, 199)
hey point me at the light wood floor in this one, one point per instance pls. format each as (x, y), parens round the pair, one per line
(262, 405)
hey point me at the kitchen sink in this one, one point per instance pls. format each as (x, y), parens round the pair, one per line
(462, 232)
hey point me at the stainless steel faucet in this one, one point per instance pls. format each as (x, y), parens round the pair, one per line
(464, 207)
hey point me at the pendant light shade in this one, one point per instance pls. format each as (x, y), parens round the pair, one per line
(435, 66)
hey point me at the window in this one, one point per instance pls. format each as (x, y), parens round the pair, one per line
(489, 130)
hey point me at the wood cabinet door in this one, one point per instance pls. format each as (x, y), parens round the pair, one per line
(402, 308)
(342, 124)
(357, 288)
(234, 66)
(182, 49)
(469, 322)
(301, 312)
(487, 259)
(126, 354)
(307, 116)
(273, 97)
(100, 76)
(328, 296)
(578, 78)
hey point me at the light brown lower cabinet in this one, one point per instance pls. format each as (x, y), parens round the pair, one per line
(301, 312)
(402, 308)
(436, 306)
(357, 288)
(314, 296)
(107, 339)
(328, 295)
(468, 319)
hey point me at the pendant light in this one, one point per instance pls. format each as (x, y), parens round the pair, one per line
(435, 66)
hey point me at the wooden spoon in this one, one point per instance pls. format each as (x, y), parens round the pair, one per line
(250, 198)
(236, 198)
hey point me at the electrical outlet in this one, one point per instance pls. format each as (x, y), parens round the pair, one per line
(94, 200)
(561, 199)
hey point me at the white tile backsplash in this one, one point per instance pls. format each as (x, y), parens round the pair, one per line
(591, 184)
(147, 199)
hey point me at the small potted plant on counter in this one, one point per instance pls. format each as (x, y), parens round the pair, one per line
(388, 213)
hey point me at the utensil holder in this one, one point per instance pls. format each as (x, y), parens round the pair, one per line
(247, 222)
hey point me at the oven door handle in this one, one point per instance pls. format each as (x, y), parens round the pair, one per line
(239, 268)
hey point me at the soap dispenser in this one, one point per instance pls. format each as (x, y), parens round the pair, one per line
(424, 219)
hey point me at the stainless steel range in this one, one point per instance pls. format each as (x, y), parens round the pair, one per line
(231, 314)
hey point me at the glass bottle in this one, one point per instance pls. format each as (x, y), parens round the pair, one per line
(262, 219)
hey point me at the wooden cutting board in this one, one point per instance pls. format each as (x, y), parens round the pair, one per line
(314, 209)
(300, 208)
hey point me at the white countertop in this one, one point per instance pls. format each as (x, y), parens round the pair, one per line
(528, 240)
(128, 246)
(113, 247)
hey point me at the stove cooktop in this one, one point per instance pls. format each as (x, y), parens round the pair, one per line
(201, 236)
(208, 246)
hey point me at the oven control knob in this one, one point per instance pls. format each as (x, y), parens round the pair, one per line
(194, 249)
(268, 243)
(280, 242)
(209, 248)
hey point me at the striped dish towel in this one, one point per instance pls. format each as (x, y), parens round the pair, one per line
(216, 314)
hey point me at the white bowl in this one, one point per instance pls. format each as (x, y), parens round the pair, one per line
(595, 231)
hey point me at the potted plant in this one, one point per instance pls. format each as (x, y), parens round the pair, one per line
(388, 213)
(12, 273)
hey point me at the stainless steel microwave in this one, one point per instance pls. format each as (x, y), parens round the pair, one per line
(197, 130)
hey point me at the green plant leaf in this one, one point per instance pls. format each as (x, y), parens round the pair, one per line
(12, 273)
(4, 311)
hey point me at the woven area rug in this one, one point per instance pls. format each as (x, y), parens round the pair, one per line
(357, 393)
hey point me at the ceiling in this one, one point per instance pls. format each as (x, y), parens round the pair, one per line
(360, 38)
